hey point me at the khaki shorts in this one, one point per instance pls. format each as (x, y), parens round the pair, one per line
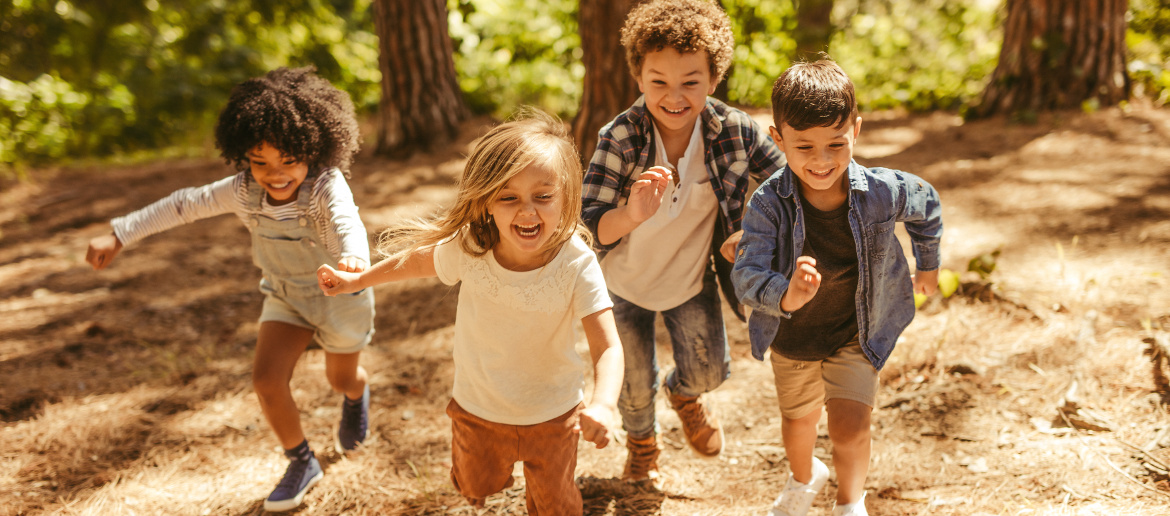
(802, 387)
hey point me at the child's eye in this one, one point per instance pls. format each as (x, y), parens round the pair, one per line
(691, 83)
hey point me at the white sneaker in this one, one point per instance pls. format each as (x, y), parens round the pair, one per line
(851, 509)
(797, 498)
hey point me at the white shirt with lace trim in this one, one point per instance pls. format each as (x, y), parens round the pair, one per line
(516, 332)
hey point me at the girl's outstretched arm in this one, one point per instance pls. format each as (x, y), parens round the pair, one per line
(419, 264)
(598, 421)
(102, 251)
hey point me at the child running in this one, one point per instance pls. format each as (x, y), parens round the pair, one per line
(291, 135)
(663, 196)
(513, 238)
(825, 276)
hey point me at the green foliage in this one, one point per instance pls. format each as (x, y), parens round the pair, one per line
(514, 52)
(99, 77)
(1148, 39)
(984, 264)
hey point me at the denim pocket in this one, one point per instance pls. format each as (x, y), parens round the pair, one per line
(882, 241)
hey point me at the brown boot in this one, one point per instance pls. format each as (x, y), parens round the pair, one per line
(701, 427)
(642, 462)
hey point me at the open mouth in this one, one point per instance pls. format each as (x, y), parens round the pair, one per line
(279, 187)
(821, 174)
(678, 111)
(527, 231)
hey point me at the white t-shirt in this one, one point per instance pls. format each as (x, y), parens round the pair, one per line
(660, 264)
(515, 332)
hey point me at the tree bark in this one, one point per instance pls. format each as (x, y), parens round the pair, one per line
(609, 88)
(421, 103)
(1057, 54)
(814, 29)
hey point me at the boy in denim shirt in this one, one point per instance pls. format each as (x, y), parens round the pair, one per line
(829, 287)
(663, 196)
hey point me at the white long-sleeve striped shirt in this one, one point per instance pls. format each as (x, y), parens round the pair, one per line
(332, 209)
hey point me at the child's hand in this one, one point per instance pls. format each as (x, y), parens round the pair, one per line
(333, 282)
(646, 194)
(803, 285)
(102, 251)
(925, 282)
(728, 247)
(351, 264)
(596, 425)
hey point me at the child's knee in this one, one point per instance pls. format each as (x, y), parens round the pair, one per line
(267, 384)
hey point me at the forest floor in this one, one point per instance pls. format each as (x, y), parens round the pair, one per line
(128, 391)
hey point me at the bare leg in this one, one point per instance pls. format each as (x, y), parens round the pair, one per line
(278, 348)
(345, 375)
(800, 437)
(849, 430)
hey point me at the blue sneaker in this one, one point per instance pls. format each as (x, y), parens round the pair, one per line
(355, 422)
(298, 478)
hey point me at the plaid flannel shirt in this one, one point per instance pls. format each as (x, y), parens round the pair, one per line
(735, 148)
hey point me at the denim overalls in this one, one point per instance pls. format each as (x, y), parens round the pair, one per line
(288, 251)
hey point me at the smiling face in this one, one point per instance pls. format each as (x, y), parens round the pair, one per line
(526, 212)
(820, 156)
(676, 86)
(280, 175)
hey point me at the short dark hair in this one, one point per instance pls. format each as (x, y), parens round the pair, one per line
(295, 111)
(684, 25)
(817, 94)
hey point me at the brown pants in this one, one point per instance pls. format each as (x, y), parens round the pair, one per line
(483, 453)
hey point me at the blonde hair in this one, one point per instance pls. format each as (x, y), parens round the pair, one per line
(532, 137)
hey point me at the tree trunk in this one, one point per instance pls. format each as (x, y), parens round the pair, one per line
(609, 88)
(1057, 54)
(814, 29)
(421, 103)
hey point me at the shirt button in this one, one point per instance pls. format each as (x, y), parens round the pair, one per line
(303, 222)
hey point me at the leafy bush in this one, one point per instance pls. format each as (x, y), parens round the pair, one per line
(514, 52)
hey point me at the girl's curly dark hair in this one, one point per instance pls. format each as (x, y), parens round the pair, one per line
(293, 110)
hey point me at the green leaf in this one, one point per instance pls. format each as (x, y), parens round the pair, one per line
(948, 282)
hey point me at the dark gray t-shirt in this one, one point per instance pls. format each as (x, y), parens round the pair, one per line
(829, 320)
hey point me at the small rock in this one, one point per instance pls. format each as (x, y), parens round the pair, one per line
(407, 415)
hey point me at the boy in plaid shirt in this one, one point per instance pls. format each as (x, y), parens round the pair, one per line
(664, 197)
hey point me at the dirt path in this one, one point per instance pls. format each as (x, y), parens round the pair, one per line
(128, 391)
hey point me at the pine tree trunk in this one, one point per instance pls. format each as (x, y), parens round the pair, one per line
(814, 28)
(609, 88)
(421, 103)
(1057, 54)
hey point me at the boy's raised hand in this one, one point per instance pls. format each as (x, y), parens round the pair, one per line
(596, 425)
(333, 282)
(803, 285)
(925, 282)
(102, 251)
(646, 193)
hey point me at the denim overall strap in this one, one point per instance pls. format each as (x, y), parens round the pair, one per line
(288, 251)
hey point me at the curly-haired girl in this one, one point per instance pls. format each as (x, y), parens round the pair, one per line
(291, 135)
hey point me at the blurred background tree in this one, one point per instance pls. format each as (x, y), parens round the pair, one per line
(83, 78)
(1058, 54)
(609, 88)
(421, 104)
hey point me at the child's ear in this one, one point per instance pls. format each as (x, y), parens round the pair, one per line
(775, 136)
(856, 127)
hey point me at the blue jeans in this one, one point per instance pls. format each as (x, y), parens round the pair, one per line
(701, 355)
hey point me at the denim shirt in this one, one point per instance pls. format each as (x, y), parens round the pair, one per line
(773, 238)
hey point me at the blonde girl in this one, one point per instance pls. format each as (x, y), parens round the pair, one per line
(515, 241)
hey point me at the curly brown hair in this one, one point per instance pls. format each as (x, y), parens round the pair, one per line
(295, 111)
(684, 25)
(817, 94)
